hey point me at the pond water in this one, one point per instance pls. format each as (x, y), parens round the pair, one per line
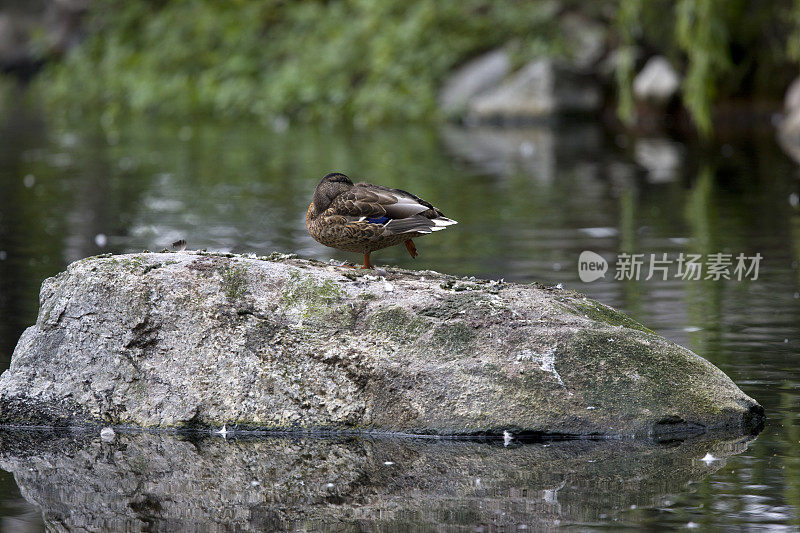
(528, 202)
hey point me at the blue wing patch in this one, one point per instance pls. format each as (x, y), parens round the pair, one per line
(381, 220)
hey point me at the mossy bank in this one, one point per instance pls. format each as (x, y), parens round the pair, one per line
(192, 340)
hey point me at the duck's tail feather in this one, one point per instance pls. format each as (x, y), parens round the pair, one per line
(418, 224)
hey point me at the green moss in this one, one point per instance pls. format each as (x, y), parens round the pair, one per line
(603, 313)
(304, 289)
(628, 369)
(134, 263)
(278, 256)
(353, 275)
(138, 391)
(457, 305)
(397, 323)
(234, 282)
(319, 299)
(458, 286)
(92, 258)
(452, 338)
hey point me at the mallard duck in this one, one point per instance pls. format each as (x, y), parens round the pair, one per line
(363, 217)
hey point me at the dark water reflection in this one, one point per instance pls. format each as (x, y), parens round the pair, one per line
(528, 202)
(163, 483)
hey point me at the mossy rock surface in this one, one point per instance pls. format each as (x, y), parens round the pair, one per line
(195, 340)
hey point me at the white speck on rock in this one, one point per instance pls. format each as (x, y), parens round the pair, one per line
(388, 463)
(551, 495)
(107, 434)
(708, 459)
(223, 432)
(507, 438)
(546, 361)
(591, 408)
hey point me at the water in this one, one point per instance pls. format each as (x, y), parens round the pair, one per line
(528, 201)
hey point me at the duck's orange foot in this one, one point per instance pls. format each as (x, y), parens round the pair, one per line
(367, 264)
(412, 250)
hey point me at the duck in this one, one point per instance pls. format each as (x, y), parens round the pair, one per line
(363, 217)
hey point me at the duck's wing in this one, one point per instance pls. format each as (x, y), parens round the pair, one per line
(365, 200)
(397, 211)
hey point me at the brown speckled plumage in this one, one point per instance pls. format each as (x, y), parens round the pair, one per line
(363, 217)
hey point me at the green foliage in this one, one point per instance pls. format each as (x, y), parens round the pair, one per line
(7, 90)
(368, 62)
(793, 42)
(629, 28)
(702, 33)
(358, 61)
(725, 48)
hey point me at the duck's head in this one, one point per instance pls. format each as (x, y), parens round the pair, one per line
(331, 186)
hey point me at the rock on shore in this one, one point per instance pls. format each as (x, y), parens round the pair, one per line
(195, 340)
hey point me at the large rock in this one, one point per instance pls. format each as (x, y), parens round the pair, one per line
(156, 482)
(789, 125)
(585, 38)
(32, 31)
(789, 135)
(481, 89)
(540, 89)
(193, 340)
(13, 41)
(791, 100)
(658, 82)
(473, 78)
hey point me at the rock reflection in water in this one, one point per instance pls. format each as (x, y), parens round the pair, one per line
(163, 482)
(541, 151)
